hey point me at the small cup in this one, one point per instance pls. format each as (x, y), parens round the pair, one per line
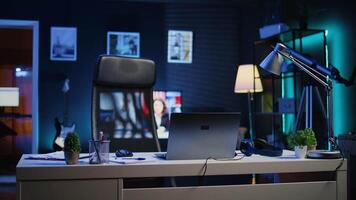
(99, 151)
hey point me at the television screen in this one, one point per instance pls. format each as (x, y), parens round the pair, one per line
(165, 103)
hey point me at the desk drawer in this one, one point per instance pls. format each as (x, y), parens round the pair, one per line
(325, 190)
(68, 190)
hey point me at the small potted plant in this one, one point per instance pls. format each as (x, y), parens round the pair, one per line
(311, 139)
(301, 141)
(71, 148)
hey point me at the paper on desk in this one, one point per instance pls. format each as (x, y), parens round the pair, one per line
(57, 155)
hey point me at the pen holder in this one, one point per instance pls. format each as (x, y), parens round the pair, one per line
(99, 151)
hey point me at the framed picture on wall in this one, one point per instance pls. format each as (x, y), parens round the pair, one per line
(180, 46)
(63, 43)
(123, 44)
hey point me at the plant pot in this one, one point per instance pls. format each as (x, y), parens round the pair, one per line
(71, 157)
(300, 151)
(313, 147)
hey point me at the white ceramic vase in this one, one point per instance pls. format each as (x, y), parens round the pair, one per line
(300, 151)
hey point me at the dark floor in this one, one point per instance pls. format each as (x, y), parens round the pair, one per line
(7, 187)
(8, 178)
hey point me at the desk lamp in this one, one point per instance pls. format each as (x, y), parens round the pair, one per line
(321, 74)
(248, 81)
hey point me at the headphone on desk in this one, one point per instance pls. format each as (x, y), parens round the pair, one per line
(261, 147)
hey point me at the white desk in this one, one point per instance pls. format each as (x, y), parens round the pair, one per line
(54, 180)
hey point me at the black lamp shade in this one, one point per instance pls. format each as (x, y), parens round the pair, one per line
(273, 62)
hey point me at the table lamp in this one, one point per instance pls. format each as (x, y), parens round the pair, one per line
(322, 74)
(248, 81)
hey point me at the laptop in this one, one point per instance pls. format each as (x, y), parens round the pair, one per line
(202, 136)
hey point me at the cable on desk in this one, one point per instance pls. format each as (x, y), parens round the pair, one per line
(335, 146)
(205, 166)
(342, 160)
(230, 159)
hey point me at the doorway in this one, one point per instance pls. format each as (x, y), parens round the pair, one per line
(19, 69)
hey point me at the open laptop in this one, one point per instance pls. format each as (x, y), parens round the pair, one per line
(202, 136)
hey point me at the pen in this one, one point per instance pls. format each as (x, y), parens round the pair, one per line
(131, 158)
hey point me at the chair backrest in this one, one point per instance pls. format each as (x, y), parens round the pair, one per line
(122, 103)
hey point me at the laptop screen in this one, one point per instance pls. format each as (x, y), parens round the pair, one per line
(203, 135)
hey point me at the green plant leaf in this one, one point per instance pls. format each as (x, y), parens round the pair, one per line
(302, 138)
(72, 143)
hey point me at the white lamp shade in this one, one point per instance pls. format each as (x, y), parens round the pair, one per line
(9, 96)
(244, 79)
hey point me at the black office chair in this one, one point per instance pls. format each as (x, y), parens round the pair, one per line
(122, 103)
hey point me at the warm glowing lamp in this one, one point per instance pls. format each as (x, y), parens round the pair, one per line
(248, 81)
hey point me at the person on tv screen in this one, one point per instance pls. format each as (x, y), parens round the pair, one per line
(161, 116)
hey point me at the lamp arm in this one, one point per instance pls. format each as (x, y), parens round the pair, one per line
(289, 56)
(324, 83)
(306, 69)
(330, 72)
(313, 70)
(304, 59)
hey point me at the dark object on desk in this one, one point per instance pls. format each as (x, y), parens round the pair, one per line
(261, 147)
(123, 153)
(323, 154)
(335, 153)
(132, 158)
(122, 103)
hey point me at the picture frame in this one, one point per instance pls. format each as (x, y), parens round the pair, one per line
(123, 44)
(180, 46)
(63, 43)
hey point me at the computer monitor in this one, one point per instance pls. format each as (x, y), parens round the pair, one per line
(164, 103)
